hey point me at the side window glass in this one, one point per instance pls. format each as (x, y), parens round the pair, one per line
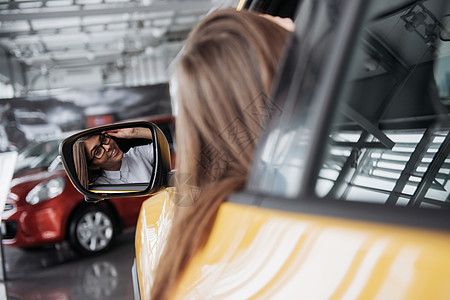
(390, 141)
(168, 128)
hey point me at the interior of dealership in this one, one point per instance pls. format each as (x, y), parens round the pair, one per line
(67, 66)
(311, 156)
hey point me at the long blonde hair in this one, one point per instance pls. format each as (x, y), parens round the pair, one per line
(224, 76)
(80, 161)
(85, 175)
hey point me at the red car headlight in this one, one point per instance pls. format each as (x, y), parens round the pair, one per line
(46, 190)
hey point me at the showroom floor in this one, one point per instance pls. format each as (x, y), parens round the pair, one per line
(57, 273)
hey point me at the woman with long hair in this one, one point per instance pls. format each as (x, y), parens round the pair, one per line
(223, 76)
(98, 158)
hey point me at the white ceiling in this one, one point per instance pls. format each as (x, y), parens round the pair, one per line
(45, 40)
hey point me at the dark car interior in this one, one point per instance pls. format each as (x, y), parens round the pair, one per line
(363, 132)
(390, 145)
(284, 9)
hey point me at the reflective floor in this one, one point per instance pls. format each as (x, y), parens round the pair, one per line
(58, 273)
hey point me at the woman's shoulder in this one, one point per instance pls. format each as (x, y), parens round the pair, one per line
(140, 150)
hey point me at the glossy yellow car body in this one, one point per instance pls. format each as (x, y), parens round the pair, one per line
(151, 232)
(348, 193)
(267, 254)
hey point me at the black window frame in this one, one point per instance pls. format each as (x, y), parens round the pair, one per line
(320, 108)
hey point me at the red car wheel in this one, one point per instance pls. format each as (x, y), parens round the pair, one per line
(92, 230)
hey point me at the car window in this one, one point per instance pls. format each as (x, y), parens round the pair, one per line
(279, 161)
(168, 128)
(32, 120)
(46, 158)
(37, 155)
(32, 150)
(377, 129)
(389, 142)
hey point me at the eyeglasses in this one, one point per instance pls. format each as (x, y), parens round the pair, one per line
(98, 151)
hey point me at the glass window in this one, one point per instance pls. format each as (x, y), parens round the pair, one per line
(389, 142)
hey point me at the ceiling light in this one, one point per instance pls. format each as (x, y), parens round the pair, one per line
(90, 55)
(158, 32)
(149, 50)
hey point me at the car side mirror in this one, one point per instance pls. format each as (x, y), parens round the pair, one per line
(118, 160)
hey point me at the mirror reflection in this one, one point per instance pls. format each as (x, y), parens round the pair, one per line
(106, 159)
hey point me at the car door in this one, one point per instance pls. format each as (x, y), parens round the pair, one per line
(348, 192)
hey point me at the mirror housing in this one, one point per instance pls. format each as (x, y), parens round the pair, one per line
(159, 175)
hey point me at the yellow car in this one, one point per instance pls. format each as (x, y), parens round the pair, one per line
(364, 218)
(348, 195)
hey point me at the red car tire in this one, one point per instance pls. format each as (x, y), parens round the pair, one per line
(92, 229)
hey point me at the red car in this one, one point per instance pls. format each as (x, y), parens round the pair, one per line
(43, 207)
